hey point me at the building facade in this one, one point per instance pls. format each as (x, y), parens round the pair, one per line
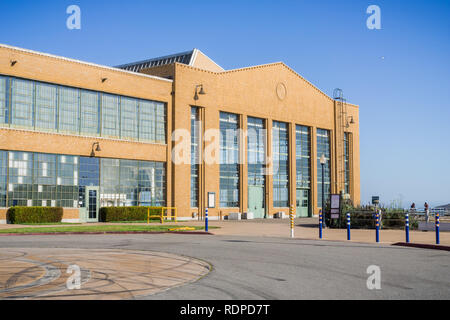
(173, 131)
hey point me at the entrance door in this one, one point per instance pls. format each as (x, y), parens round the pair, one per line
(256, 201)
(302, 202)
(92, 204)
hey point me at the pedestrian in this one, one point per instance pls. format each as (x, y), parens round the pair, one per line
(427, 212)
(413, 207)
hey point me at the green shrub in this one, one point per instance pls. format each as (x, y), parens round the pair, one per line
(115, 214)
(22, 215)
(363, 218)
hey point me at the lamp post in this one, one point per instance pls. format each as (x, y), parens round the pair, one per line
(323, 160)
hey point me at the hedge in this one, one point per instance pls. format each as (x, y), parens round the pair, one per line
(22, 215)
(366, 220)
(114, 214)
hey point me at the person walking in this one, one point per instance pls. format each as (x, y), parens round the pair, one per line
(413, 207)
(427, 212)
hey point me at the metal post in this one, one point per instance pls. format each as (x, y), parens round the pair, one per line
(348, 226)
(291, 216)
(437, 228)
(323, 194)
(407, 226)
(320, 224)
(206, 219)
(377, 221)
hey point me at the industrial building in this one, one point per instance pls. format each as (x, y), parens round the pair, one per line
(82, 136)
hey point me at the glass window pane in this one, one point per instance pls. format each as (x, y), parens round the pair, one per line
(110, 115)
(45, 106)
(280, 152)
(89, 113)
(68, 110)
(129, 113)
(229, 160)
(3, 100)
(22, 103)
(323, 148)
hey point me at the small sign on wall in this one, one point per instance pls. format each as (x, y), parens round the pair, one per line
(211, 200)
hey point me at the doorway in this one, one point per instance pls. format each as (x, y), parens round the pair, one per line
(92, 204)
(303, 203)
(256, 201)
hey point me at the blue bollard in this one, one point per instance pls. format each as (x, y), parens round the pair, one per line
(348, 226)
(320, 224)
(206, 220)
(407, 227)
(377, 227)
(437, 228)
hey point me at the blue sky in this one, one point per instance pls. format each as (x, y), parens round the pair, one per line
(404, 98)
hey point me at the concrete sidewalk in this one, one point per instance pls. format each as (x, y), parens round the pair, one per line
(305, 228)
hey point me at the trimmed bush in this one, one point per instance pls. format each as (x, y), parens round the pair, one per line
(22, 215)
(115, 214)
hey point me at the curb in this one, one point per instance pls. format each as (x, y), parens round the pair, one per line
(422, 246)
(104, 232)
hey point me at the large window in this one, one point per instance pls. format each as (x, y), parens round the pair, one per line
(38, 179)
(110, 116)
(303, 156)
(323, 148)
(47, 107)
(22, 113)
(195, 155)
(229, 160)
(69, 110)
(89, 112)
(3, 177)
(280, 151)
(132, 183)
(3, 100)
(256, 152)
(128, 118)
(347, 161)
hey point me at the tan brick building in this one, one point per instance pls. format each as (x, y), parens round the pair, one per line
(82, 136)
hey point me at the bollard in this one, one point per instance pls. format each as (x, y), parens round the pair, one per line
(377, 217)
(407, 226)
(320, 224)
(206, 220)
(437, 228)
(348, 226)
(291, 216)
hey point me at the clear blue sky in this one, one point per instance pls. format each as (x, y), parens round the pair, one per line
(404, 98)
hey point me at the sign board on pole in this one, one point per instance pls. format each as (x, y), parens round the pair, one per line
(375, 200)
(335, 208)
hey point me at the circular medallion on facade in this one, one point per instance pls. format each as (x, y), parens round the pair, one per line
(281, 91)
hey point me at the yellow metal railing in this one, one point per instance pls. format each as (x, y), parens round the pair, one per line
(162, 215)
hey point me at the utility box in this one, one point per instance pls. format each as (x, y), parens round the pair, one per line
(279, 215)
(248, 216)
(234, 216)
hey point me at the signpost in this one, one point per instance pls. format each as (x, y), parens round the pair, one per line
(335, 208)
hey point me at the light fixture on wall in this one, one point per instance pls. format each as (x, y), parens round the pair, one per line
(350, 122)
(13, 62)
(201, 92)
(97, 148)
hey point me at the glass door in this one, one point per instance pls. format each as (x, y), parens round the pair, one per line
(92, 204)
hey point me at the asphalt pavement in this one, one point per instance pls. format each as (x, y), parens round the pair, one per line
(277, 268)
